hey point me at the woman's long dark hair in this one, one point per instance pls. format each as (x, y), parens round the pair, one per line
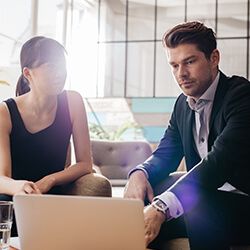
(34, 52)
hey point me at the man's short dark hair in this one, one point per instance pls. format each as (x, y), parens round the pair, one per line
(191, 33)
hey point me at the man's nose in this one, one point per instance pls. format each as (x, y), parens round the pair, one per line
(182, 71)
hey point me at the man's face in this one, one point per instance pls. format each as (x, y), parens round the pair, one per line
(192, 70)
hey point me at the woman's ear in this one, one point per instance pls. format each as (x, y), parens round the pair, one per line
(26, 73)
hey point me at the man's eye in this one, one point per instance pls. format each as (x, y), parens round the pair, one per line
(190, 61)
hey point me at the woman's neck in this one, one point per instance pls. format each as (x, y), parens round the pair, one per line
(39, 104)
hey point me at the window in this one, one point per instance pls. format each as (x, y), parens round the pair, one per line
(14, 33)
(136, 28)
(114, 46)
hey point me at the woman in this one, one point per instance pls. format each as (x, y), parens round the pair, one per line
(36, 126)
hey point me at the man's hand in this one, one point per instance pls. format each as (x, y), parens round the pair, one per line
(45, 184)
(153, 220)
(138, 187)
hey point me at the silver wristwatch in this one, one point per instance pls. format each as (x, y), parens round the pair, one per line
(160, 206)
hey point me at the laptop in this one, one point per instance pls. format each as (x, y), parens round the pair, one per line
(54, 222)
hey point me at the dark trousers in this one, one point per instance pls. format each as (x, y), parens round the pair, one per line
(217, 220)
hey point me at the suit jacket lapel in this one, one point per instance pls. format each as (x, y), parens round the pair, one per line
(218, 99)
(217, 103)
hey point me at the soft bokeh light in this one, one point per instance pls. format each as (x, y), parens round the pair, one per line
(83, 53)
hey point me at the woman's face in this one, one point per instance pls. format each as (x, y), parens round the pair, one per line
(48, 78)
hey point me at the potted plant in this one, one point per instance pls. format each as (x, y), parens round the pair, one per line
(98, 132)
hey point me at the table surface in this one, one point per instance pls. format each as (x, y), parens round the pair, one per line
(15, 242)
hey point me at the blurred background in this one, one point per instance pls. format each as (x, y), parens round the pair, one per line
(115, 56)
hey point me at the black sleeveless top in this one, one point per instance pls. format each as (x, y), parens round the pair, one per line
(35, 155)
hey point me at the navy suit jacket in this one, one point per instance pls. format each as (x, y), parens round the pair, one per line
(228, 158)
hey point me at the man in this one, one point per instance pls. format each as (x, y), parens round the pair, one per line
(210, 127)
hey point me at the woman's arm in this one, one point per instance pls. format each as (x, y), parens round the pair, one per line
(68, 157)
(8, 185)
(81, 141)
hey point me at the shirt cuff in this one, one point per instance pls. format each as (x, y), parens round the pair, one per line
(174, 205)
(138, 168)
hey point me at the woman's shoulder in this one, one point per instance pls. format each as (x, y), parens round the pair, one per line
(3, 109)
(75, 103)
(73, 94)
(73, 97)
(5, 120)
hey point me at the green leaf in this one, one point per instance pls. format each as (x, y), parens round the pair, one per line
(98, 132)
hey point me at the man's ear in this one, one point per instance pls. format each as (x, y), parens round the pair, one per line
(26, 73)
(215, 57)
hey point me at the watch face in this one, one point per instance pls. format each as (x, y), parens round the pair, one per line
(161, 205)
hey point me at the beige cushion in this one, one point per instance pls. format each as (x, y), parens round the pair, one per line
(116, 158)
(180, 244)
(90, 185)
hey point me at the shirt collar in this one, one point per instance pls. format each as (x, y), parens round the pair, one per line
(208, 95)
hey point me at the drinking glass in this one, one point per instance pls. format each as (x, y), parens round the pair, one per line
(6, 217)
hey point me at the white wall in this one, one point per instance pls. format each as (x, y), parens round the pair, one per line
(9, 74)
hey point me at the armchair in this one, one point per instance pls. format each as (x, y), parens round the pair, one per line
(89, 185)
(93, 184)
(114, 159)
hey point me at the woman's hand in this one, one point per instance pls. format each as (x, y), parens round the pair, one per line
(26, 187)
(45, 184)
